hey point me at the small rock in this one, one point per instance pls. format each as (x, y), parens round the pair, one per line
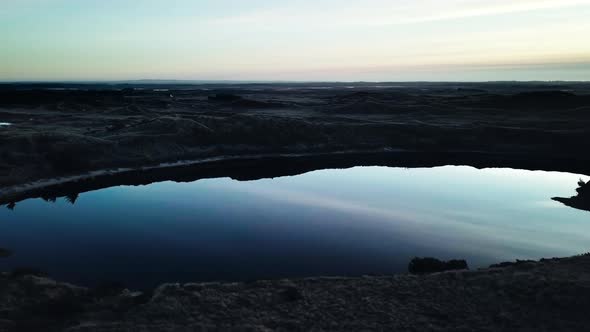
(291, 294)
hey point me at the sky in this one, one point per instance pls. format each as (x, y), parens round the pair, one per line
(297, 40)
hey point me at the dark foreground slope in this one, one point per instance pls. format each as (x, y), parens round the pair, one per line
(61, 130)
(551, 295)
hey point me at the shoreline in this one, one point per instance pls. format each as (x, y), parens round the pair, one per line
(48, 182)
(257, 166)
(62, 136)
(527, 295)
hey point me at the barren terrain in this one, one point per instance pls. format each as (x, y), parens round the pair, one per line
(251, 130)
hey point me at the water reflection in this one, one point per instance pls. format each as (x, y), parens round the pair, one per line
(581, 201)
(332, 222)
(70, 198)
(49, 199)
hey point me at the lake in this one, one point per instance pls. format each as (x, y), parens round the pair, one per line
(362, 220)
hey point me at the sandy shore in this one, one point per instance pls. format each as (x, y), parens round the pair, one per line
(549, 295)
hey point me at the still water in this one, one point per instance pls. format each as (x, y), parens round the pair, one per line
(331, 222)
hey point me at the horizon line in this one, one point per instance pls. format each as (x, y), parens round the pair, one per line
(206, 81)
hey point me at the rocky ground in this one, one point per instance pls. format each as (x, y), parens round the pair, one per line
(550, 295)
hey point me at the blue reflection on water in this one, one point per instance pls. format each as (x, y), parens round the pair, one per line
(331, 222)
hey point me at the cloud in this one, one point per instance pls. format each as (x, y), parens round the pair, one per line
(380, 12)
(467, 9)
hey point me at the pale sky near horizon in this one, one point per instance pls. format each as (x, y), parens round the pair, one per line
(330, 40)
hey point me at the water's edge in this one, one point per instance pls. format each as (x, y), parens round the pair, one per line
(254, 167)
(439, 300)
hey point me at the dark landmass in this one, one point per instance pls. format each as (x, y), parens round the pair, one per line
(581, 201)
(261, 130)
(431, 265)
(549, 295)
